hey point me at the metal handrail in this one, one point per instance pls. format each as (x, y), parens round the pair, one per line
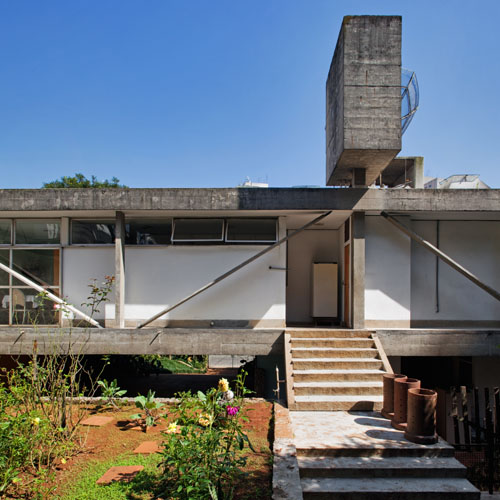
(49, 295)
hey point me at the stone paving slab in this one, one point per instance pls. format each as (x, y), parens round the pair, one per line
(322, 430)
(96, 421)
(123, 474)
(147, 448)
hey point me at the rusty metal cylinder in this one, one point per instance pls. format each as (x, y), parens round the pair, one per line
(401, 387)
(388, 381)
(421, 420)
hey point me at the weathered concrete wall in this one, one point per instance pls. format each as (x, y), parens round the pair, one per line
(158, 277)
(62, 202)
(80, 265)
(476, 246)
(146, 341)
(387, 282)
(426, 342)
(306, 248)
(363, 108)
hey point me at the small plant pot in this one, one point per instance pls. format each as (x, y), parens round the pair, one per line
(388, 380)
(401, 387)
(421, 423)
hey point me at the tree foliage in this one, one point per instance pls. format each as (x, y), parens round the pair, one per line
(80, 181)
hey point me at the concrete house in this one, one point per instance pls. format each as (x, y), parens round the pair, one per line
(360, 253)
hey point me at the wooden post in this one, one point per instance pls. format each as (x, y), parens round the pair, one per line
(465, 414)
(477, 424)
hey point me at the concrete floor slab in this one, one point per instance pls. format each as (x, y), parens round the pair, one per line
(328, 432)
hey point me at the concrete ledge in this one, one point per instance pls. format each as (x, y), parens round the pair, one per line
(175, 199)
(415, 342)
(286, 476)
(251, 342)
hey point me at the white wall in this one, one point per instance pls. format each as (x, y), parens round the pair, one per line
(79, 266)
(304, 249)
(387, 274)
(473, 244)
(157, 277)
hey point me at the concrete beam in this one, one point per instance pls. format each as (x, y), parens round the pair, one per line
(413, 342)
(65, 201)
(358, 271)
(17, 341)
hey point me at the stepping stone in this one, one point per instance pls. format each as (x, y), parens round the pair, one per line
(96, 421)
(147, 448)
(122, 474)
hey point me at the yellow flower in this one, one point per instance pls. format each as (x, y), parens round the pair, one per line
(35, 421)
(204, 420)
(63, 460)
(223, 385)
(172, 428)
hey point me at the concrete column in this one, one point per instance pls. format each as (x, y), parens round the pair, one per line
(358, 177)
(64, 231)
(120, 270)
(358, 271)
(417, 175)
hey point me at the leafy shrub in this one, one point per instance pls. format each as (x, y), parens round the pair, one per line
(202, 453)
(149, 408)
(110, 391)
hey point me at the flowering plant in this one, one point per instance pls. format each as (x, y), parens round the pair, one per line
(203, 456)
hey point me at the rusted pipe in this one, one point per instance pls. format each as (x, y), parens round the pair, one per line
(421, 420)
(388, 381)
(401, 387)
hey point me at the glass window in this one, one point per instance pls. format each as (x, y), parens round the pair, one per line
(148, 232)
(30, 307)
(4, 306)
(40, 266)
(37, 232)
(251, 230)
(5, 232)
(92, 232)
(198, 230)
(4, 259)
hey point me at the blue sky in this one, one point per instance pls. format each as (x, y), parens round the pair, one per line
(204, 93)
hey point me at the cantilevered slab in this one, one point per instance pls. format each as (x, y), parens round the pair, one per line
(363, 99)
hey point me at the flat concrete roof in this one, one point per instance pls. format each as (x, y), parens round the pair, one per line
(252, 199)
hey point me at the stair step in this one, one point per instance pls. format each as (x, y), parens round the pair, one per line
(357, 451)
(389, 489)
(326, 352)
(336, 363)
(361, 402)
(337, 388)
(329, 333)
(388, 467)
(337, 375)
(333, 342)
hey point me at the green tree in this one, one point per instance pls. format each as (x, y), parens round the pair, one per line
(80, 181)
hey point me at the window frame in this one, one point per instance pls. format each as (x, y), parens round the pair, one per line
(257, 242)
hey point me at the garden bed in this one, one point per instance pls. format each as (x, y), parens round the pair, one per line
(113, 444)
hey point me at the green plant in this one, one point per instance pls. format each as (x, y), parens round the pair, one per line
(110, 391)
(98, 293)
(38, 417)
(149, 408)
(202, 453)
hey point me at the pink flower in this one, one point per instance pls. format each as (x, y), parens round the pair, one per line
(232, 410)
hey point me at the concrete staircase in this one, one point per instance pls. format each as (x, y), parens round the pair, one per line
(358, 455)
(334, 370)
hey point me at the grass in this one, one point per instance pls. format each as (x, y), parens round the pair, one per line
(178, 366)
(140, 488)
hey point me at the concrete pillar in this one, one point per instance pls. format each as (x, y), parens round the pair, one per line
(417, 180)
(358, 271)
(64, 231)
(120, 270)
